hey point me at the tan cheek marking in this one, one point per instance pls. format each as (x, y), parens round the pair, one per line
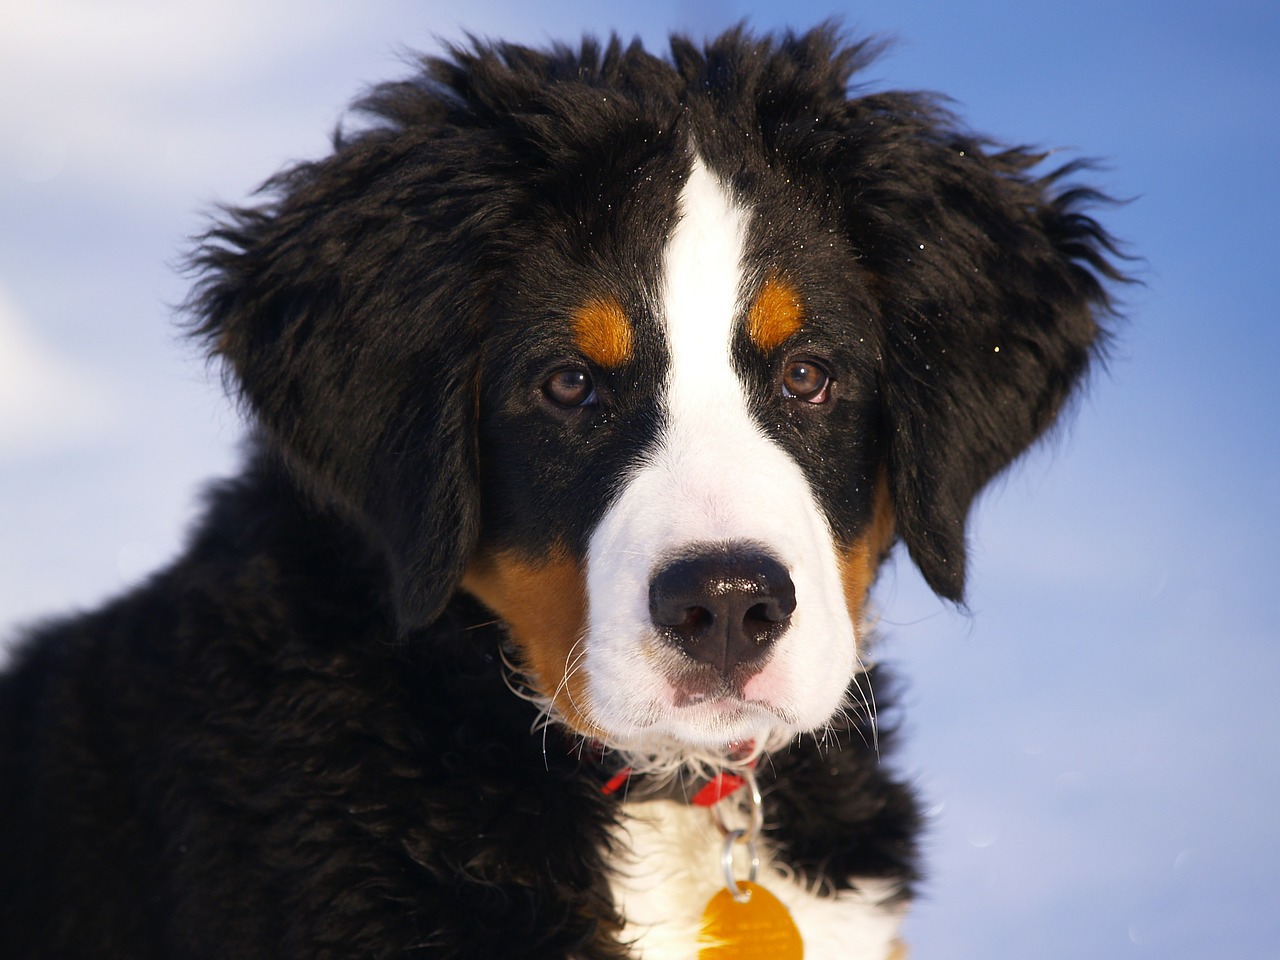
(603, 332)
(544, 607)
(861, 561)
(775, 316)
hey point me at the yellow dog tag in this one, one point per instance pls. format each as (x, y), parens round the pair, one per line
(759, 929)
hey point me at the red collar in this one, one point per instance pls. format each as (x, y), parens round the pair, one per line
(711, 791)
(699, 791)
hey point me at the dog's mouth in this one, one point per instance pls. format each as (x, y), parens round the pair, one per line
(695, 684)
(708, 718)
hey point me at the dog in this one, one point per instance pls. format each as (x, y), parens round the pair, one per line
(588, 391)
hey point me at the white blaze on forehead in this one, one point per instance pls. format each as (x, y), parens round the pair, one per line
(703, 285)
(714, 476)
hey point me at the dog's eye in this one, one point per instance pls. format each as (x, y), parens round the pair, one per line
(806, 380)
(570, 387)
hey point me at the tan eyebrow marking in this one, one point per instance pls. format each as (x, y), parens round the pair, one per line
(603, 332)
(775, 315)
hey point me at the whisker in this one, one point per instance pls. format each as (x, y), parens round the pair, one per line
(867, 697)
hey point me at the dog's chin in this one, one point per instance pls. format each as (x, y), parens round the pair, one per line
(721, 727)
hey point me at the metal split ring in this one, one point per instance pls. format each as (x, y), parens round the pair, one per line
(745, 836)
(726, 862)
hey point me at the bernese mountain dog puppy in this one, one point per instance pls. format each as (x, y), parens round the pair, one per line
(589, 389)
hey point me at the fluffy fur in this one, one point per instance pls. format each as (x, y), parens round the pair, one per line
(549, 331)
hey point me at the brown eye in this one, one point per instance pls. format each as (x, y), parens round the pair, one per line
(570, 387)
(806, 380)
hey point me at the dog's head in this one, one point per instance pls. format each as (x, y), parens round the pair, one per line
(657, 359)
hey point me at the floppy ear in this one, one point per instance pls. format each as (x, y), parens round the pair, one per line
(989, 281)
(346, 312)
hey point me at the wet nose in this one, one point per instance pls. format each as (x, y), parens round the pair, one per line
(722, 604)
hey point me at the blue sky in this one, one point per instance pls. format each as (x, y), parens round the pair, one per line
(1097, 738)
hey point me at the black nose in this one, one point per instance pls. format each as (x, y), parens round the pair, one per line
(724, 604)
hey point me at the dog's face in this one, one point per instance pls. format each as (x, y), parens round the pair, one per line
(679, 458)
(657, 360)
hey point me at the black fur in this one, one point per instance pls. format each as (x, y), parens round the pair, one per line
(297, 740)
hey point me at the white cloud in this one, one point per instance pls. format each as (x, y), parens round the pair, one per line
(140, 93)
(129, 43)
(46, 400)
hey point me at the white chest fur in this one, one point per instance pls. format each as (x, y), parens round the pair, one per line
(668, 866)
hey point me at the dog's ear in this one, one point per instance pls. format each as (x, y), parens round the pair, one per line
(345, 312)
(990, 282)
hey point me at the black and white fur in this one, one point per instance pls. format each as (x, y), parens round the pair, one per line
(350, 719)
